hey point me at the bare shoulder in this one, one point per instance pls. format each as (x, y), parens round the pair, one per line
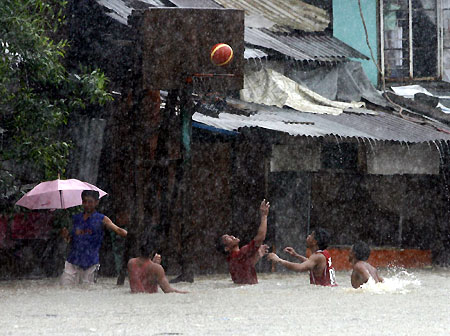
(155, 268)
(317, 258)
(360, 267)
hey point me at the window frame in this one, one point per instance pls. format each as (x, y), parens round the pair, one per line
(439, 46)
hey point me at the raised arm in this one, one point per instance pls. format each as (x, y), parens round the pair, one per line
(113, 227)
(262, 230)
(308, 265)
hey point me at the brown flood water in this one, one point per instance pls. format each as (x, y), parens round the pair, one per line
(413, 302)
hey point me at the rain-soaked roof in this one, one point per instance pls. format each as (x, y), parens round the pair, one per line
(262, 19)
(376, 126)
(281, 15)
(303, 47)
(119, 10)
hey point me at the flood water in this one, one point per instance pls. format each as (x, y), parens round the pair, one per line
(413, 302)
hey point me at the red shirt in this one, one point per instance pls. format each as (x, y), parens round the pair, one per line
(241, 264)
(328, 277)
(141, 279)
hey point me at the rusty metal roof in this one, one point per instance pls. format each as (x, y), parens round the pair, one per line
(283, 15)
(380, 126)
(303, 47)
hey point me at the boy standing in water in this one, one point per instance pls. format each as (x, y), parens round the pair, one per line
(86, 239)
(242, 261)
(145, 274)
(362, 270)
(321, 271)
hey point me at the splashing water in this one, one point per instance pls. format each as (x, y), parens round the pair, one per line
(401, 282)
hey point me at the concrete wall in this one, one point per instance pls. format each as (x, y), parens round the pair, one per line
(295, 158)
(398, 210)
(348, 27)
(395, 158)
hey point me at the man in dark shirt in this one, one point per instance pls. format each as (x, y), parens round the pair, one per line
(242, 261)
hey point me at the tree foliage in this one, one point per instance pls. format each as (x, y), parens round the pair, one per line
(37, 93)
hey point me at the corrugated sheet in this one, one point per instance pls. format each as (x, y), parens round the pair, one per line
(119, 10)
(254, 53)
(320, 45)
(308, 47)
(195, 3)
(382, 126)
(285, 14)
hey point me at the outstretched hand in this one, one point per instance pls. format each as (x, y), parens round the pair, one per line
(273, 257)
(291, 251)
(264, 208)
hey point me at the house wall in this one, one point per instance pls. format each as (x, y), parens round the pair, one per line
(401, 202)
(348, 27)
(395, 158)
(403, 211)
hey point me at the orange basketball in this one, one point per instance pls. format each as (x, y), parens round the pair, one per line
(221, 54)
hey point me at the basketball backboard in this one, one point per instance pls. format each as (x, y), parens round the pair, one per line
(176, 44)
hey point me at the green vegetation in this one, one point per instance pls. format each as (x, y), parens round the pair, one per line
(37, 92)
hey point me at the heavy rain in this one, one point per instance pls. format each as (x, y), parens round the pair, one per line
(224, 167)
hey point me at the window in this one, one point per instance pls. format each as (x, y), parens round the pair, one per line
(410, 43)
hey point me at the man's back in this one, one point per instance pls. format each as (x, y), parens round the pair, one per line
(362, 271)
(142, 275)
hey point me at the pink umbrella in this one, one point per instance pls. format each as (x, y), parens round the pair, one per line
(56, 194)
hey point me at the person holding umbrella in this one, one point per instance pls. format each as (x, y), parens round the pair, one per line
(86, 239)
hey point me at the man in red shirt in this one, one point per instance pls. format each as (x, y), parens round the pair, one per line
(242, 261)
(319, 265)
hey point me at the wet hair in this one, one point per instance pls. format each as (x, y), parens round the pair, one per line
(90, 193)
(361, 250)
(220, 246)
(322, 237)
(147, 246)
(146, 250)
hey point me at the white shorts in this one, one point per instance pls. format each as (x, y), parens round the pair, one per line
(74, 274)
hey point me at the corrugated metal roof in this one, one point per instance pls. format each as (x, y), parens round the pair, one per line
(119, 10)
(284, 14)
(319, 45)
(195, 3)
(305, 47)
(254, 53)
(382, 126)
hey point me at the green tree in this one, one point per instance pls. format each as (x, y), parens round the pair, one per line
(37, 93)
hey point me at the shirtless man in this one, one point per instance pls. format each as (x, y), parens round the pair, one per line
(362, 270)
(321, 271)
(242, 261)
(145, 274)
